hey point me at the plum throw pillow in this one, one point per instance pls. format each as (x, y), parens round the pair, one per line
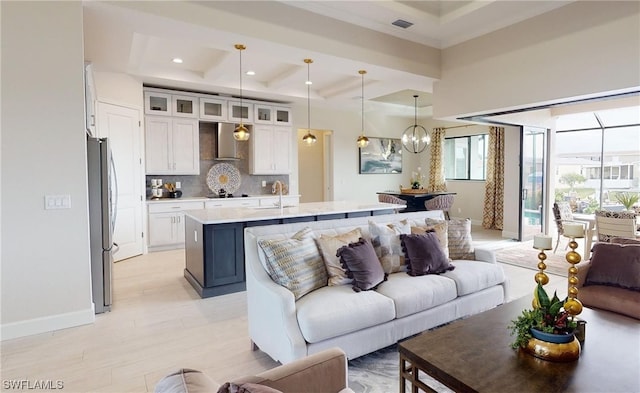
(441, 232)
(362, 265)
(424, 255)
(616, 265)
(328, 246)
(386, 242)
(458, 236)
(295, 263)
(246, 387)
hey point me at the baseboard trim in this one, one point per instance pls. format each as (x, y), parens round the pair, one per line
(30, 327)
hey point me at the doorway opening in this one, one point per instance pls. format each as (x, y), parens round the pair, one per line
(315, 167)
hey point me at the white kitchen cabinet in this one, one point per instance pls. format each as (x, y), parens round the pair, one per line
(287, 200)
(184, 106)
(231, 202)
(213, 109)
(166, 224)
(156, 103)
(270, 150)
(172, 146)
(237, 112)
(268, 114)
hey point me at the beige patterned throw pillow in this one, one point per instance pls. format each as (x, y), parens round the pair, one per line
(386, 242)
(459, 237)
(441, 232)
(328, 246)
(295, 263)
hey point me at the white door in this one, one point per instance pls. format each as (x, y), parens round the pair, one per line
(122, 126)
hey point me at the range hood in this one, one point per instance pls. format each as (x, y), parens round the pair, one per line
(225, 143)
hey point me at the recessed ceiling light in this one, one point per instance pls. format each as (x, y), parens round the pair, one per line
(402, 23)
(251, 73)
(177, 60)
(308, 83)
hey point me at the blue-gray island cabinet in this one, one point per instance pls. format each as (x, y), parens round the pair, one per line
(214, 238)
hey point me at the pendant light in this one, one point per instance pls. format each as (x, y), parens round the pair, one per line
(241, 133)
(415, 138)
(309, 139)
(362, 141)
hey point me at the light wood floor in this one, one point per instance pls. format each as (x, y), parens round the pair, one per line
(159, 324)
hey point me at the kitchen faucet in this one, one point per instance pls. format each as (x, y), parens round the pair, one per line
(277, 185)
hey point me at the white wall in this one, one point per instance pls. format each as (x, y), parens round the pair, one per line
(346, 126)
(119, 89)
(45, 253)
(580, 50)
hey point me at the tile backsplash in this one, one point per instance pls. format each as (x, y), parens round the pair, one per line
(196, 185)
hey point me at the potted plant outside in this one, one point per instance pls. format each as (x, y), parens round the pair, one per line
(627, 199)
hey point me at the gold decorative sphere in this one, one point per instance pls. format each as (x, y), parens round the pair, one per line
(573, 291)
(542, 265)
(573, 257)
(573, 280)
(573, 306)
(573, 270)
(542, 278)
(541, 256)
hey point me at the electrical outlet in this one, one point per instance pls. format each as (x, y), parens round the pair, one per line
(178, 185)
(264, 183)
(459, 210)
(57, 202)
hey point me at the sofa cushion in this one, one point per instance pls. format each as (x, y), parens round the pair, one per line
(414, 294)
(328, 246)
(458, 236)
(386, 241)
(621, 301)
(474, 276)
(615, 265)
(440, 230)
(362, 265)
(295, 263)
(333, 311)
(424, 254)
(247, 387)
(186, 380)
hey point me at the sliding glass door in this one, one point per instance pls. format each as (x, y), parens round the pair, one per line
(532, 180)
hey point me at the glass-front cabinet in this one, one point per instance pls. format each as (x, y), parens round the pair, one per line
(213, 109)
(239, 113)
(267, 114)
(184, 106)
(157, 103)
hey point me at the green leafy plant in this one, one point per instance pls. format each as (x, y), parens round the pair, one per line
(627, 199)
(547, 315)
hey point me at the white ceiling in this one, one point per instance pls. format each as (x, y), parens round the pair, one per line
(141, 38)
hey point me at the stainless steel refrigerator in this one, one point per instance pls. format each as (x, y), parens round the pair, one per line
(102, 216)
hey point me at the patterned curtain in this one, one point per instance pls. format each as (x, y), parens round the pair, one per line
(492, 216)
(436, 166)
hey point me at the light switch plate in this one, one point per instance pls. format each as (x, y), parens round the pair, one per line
(57, 202)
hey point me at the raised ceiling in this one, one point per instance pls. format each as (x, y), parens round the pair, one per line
(342, 37)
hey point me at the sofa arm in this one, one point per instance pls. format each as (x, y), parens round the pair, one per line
(322, 372)
(485, 255)
(271, 309)
(583, 269)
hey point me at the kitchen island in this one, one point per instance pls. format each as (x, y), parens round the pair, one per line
(214, 238)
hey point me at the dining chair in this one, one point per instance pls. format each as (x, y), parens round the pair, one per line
(610, 224)
(440, 202)
(562, 214)
(386, 198)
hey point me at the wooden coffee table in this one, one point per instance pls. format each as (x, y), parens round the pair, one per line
(474, 355)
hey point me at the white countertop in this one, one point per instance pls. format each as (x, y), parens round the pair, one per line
(243, 214)
(205, 199)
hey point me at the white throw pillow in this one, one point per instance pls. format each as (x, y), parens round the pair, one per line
(386, 242)
(328, 246)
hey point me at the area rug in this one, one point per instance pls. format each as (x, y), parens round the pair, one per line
(523, 254)
(379, 372)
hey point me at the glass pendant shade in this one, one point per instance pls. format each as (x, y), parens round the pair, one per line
(241, 133)
(415, 138)
(362, 140)
(309, 139)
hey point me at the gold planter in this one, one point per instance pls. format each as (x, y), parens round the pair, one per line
(554, 352)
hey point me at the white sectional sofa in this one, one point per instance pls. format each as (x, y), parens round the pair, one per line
(361, 322)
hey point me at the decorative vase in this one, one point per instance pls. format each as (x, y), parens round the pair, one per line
(553, 347)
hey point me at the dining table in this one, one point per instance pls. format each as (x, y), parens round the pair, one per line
(415, 199)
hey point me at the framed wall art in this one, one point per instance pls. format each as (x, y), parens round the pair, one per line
(382, 155)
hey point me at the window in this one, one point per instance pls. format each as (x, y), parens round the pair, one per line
(465, 158)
